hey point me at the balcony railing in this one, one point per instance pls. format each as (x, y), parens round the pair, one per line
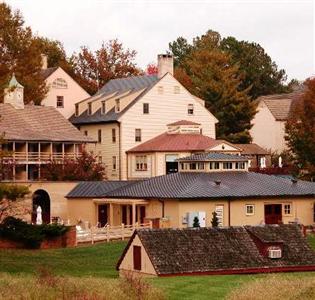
(40, 156)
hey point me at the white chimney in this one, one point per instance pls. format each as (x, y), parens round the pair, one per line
(165, 64)
(44, 61)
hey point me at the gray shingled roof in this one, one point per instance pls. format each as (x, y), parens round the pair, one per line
(213, 156)
(47, 72)
(203, 186)
(96, 189)
(198, 250)
(37, 123)
(120, 86)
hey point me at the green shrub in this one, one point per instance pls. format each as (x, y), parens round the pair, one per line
(30, 236)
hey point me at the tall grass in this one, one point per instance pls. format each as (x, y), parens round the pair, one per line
(276, 288)
(49, 287)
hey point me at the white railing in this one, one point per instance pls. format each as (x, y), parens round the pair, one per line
(40, 156)
(108, 233)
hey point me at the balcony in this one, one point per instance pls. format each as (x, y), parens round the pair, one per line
(39, 157)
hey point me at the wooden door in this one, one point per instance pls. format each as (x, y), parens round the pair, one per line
(102, 214)
(273, 213)
(137, 258)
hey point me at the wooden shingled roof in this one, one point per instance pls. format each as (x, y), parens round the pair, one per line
(223, 250)
(37, 123)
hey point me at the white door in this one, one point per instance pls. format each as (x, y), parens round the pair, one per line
(202, 218)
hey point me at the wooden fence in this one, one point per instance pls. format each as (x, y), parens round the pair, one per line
(108, 233)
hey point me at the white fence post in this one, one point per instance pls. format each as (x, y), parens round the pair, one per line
(107, 233)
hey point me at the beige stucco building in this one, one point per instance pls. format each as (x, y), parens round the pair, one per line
(63, 91)
(129, 111)
(268, 130)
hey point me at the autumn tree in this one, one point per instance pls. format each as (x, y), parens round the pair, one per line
(300, 129)
(209, 74)
(83, 168)
(151, 69)
(20, 54)
(93, 69)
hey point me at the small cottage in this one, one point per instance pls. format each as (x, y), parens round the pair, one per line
(209, 251)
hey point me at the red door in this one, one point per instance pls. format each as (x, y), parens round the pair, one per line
(273, 213)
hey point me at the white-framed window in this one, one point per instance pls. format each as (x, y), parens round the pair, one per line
(287, 209)
(190, 109)
(89, 108)
(114, 163)
(146, 109)
(117, 106)
(138, 135)
(160, 90)
(60, 102)
(141, 163)
(113, 135)
(99, 136)
(227, 165)
(214, 166)
(250, 209)
(240, 165)
(103, 108)
(77, 109)
(59, 83)
(176, 89)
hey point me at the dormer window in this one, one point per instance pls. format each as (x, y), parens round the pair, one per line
(59, 83)
(176, 89)
(76, 110)
(274, 252)
(89, 108)
(117, 106)
(103, 108)
(190, 109)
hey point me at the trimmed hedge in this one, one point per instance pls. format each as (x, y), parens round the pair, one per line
(31, 236)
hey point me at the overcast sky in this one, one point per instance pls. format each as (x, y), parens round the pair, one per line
(283, 27)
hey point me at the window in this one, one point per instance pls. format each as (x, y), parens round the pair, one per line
(138, 135)
(117, 107)
(114, 166)
(113, 135)
(190, 109)
(227, 165)
(77, 109)
(145, 108)
(240, 165)
(59, 83)
(103, 108)
(197, 166)
(193, 166)
(89, 108)
(59, 101)
(100, 159)
(99, 135)
(160, 90)
(176, 89)
(287, 209)
(200, 166)
(137, 258)
(214, 166)
(86, 132)
(250, 209)
(141, 163)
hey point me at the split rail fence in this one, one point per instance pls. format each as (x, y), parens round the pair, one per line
(108, 233)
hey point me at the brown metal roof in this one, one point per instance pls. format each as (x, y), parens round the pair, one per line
(37, 123)
(201, 250)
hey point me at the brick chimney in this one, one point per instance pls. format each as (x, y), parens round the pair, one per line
(165, 64)
(44, 61)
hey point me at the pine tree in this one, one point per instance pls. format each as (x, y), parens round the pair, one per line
(215, 220)
(196, 222)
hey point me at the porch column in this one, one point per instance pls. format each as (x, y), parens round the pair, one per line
(63, 151)
(111, 214)
(133, 214)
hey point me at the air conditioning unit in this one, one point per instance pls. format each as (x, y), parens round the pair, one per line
(274, 253)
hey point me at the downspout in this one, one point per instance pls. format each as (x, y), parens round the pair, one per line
(119, 150)
(229, 215)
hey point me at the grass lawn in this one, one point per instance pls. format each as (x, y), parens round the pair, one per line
(99, 261)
